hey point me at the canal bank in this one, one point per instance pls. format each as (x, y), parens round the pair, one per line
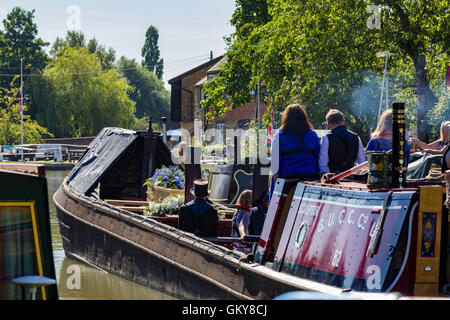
(80, 281)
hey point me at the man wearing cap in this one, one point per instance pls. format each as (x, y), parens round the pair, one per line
(198, 216)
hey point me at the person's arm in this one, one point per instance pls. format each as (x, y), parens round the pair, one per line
(323, 156)
(434, 151)
(423, 145)
(361, 157)
(316, 150)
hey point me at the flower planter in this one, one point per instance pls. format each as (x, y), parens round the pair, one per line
(172, 177)
(159, 193)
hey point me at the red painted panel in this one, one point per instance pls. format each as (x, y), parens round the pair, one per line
(338, 230)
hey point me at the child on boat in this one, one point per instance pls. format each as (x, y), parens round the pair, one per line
(241, 221)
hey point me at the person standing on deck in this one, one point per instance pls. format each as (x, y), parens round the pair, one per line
(340, 149)
(198, 216)
(295, 147)
(381, 139)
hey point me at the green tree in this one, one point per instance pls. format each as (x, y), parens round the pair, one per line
(10, 119)
(148, 92)
(76, 39)
(107, 57)
(322, 54)
(159, 68)
(81, 97)
(150, 52)
(19, 41)
(255, 12)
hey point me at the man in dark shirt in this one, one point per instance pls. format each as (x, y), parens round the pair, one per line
(198, 216)
(258, 215)
(340, 149)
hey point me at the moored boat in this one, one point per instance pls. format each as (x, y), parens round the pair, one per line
(27, 269)
(340, 239)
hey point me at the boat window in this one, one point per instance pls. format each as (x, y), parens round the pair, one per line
(19, 249)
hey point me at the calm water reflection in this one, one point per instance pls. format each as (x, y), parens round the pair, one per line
(94, 283)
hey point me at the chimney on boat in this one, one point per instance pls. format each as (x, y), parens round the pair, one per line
(164, 128)
(398, 146)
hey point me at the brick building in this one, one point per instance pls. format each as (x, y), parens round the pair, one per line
(183, 97)
(186, 102)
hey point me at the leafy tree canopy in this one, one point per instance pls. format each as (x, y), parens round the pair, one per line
(76, 39)
(148, 92)
(19, 41)
(81, 98)
(322, 54)
(10, 119)
(150, 52)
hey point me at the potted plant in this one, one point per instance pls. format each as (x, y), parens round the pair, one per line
(164, 183)
(169, 206)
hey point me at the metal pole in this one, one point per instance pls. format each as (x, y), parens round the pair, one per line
(387, 83)
(382, 89)
(21, 108)
(257, 102)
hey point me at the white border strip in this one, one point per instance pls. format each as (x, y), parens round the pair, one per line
(355, 205)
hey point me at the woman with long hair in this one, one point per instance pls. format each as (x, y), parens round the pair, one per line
(443, 147)
(439, 144)
(381, 139)
(241, 220)
(295, 147)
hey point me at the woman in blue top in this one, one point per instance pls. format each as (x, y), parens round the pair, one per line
(295, 147)
(381, 139)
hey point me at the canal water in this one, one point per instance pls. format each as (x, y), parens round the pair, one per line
(92, 283)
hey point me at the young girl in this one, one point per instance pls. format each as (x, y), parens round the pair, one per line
(241, 221)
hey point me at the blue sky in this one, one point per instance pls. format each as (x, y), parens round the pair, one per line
(188, 29)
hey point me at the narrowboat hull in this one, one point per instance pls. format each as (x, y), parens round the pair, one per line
(343, 239)
(159, 256)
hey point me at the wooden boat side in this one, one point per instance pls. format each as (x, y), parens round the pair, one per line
(151, 253)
